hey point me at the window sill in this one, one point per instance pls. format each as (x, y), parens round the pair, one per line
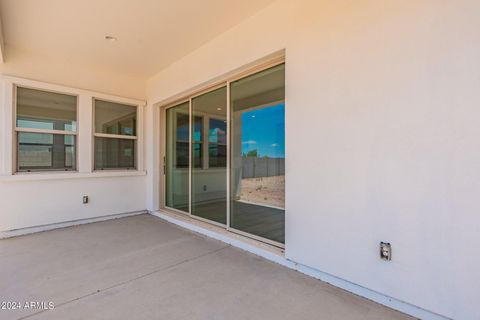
(37, 176)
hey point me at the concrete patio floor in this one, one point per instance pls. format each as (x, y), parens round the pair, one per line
(144, 268)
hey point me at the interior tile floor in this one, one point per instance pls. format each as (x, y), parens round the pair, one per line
(142, 267)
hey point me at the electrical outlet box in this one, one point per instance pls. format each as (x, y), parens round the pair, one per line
(385, 251)
(85, 199)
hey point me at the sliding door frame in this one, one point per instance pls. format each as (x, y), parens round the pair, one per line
(163, 155)
(187, 97)
(193, 96)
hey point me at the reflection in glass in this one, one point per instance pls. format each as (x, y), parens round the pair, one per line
(258, 154)
(182, 124)
(114, 153)
(43, 151)
(38, 109)
(177, 157)
(209, 186)
(197, 142)
(217, 143)
(115, 118)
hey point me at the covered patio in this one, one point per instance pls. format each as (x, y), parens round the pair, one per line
(254, 159)
(142, 267)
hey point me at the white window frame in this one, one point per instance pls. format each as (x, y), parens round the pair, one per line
(117, 136)
(84, 142)
(17, 130)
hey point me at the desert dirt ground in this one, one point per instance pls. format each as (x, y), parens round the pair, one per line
(265, 190)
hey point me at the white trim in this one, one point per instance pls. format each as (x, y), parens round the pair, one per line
(276, 255)
(52, 226)
(229, 146)
(8, 122)
(38, 176)
(84, 139)
(140, 136)
(114, 136)
(6, 128)
(48, 131)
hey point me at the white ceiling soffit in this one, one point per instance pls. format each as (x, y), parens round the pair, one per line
(150, 34)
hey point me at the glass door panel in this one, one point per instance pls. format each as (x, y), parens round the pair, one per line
(196, 155)
(209, 156)
(177, 157)
(257, 204)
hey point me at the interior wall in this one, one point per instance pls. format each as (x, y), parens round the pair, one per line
(381, 138)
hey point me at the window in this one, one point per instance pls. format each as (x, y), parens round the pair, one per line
(46, 125)
(217, 143)
(115, 135)
(197, 143)
(182, 140)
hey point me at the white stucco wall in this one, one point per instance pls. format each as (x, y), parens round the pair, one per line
(382, 134)
(26, 204)
(69, 72)
(382, 138)
(36, 199)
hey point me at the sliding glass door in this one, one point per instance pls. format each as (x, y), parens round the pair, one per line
(258, 154)
(176, 160)
(225, 155)
(209, 156)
